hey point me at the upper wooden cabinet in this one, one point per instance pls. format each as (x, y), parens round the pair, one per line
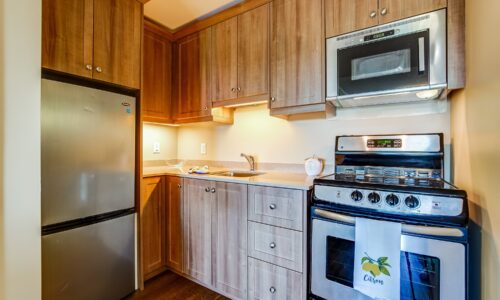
(297, 54)
(240, 60)
(95, 39)
(157, 79)
(342, 16)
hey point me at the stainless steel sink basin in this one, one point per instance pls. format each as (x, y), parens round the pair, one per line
(235, 173)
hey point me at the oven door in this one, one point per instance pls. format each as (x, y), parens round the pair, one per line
(430, 268)
(396, 63)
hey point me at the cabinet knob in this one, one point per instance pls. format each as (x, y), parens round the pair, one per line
(272, 206)
(273, 99)
(239, 89)
(205, 108)
(98, 69)
(272, 290)
(207, 189)
(383, 12)
(233, 90)
(373, 14)
(213, 190)
(272, 245)
(88, 67)
(179, 186)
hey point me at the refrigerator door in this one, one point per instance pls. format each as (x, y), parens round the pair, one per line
(91, 262)
(88, 151)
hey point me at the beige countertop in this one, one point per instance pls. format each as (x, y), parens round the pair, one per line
(269, 178)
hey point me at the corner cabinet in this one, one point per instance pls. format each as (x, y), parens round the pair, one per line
(152, 228)
(157, 82)
(97, 39)
(297, 57)
(174, 223)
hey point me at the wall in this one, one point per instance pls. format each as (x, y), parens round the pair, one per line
(476, 135)
(20, 249)
(165, 135)
(280, 141)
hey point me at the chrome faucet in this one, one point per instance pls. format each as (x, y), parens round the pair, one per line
(251, 161)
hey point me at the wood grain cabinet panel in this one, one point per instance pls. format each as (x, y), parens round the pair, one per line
(157, 82)
(198, 205)
(192, 78)
(392, 10)
(153, 226)
(67, 41)
(342, 16)
(275, 245)
(174, 225)
(230, 239)
(253, 54)
(276, 206)
(297, 53)
(117, 41)
(224, 60)
(267, 281)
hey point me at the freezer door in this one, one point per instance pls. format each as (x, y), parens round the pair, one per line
(88, 151)
(92, 262)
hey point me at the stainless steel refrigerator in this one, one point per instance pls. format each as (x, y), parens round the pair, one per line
(88, 208)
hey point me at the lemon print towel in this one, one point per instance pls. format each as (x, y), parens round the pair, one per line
(376, 259)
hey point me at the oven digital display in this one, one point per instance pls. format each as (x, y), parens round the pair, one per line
(384, 143)
(379, 35)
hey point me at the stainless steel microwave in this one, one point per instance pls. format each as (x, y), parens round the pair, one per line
(401, 61)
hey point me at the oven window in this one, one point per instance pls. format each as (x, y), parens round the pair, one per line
(419, 273)
(389, 63)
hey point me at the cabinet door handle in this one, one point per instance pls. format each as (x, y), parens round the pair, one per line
(205, 108)
(272, 290)
(233, 90)
(88, 67)
(179, 186)
(98, 69)
(273, 99)
(373, 14)
(207, 189)
(213, 190)
(383, 12)
(272, 206)
(272, 245)
(239, 89)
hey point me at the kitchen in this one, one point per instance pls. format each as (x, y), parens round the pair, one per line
(280, 134)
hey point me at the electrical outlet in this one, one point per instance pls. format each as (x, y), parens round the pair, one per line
(156, 148)
(203, 148)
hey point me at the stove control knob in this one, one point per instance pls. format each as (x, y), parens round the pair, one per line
(392, 200)
(374, 198)
(356, 196)
(412, 202)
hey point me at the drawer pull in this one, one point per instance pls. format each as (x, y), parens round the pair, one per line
(272, 290)
(272, 206)
(207, 189)
(272, 245)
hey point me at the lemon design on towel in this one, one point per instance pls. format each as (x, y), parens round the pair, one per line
(375, 267)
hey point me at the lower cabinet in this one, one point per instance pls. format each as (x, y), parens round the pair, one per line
(152, 215)
(268, 281)
(174, 251)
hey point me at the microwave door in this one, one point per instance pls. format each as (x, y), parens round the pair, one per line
(395, 63)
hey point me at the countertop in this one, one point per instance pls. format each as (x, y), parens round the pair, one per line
(269, 178)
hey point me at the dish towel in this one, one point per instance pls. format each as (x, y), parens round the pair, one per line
(376, 259)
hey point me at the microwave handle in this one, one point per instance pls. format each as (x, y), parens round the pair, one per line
(405, 228)
(421, 54)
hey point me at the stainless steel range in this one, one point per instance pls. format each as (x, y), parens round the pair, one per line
(398, 179)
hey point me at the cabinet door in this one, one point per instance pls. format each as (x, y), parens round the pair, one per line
(117, 42)
(297, 55)
(391, 10)
(153, 226)
(198, 204)
(230, 238)
(253, 54)
(156, 97)
(191, 85)
(224, 60)
(67, 36)
(342, 16)
(174, 223)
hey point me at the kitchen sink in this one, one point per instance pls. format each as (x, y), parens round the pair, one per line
(235, 173)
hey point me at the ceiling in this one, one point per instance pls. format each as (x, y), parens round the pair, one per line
(175, 13)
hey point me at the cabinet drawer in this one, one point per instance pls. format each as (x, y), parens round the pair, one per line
(276, 245)
(267, 281)
(276, 206)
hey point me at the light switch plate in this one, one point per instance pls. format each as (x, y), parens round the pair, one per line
(203, 148)
(156, 147)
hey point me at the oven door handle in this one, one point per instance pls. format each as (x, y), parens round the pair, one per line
(421, 54)
(405, 228)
